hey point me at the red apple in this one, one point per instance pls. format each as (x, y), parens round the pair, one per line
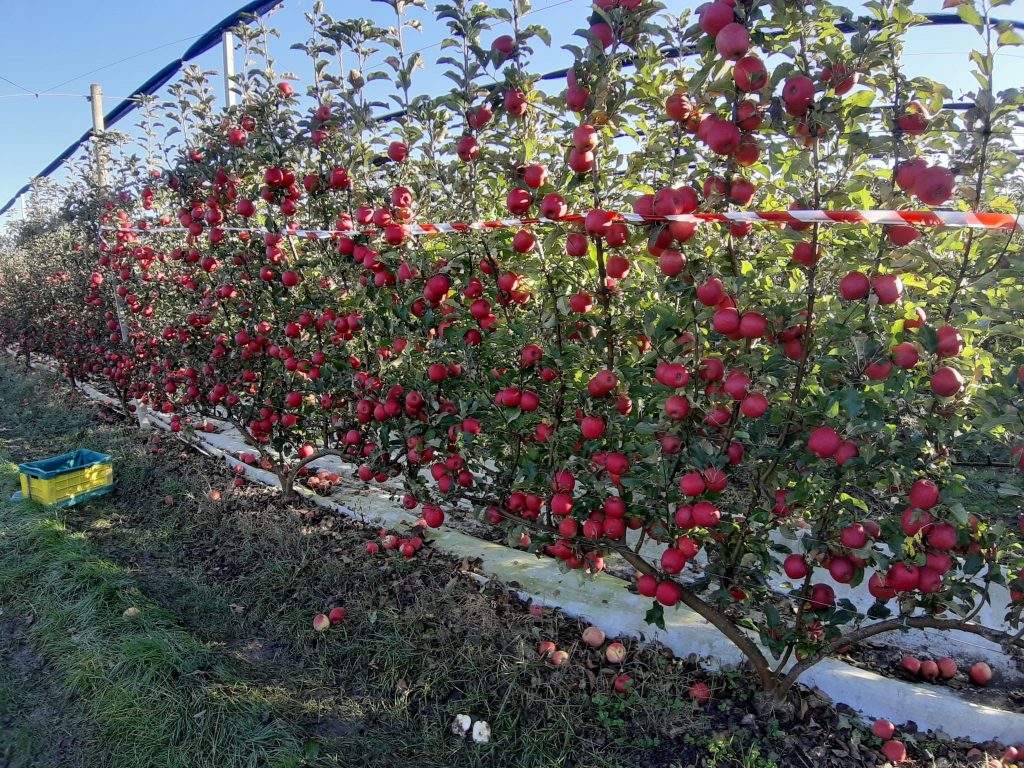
(398, 151)
(615, 653)
(907, 173)
(980, 673)
(673, 560)
(723, 137)
(842, 569)
(913, 520)
(903, 577)
(577, 244)
(824, 442)
(754, 405)
(947, 668)
(732, 41)
(798, 95)
(623, 684)
(647, 586)
(558, 658)
(504, 45)
(934, 186)
(713, 17)
(750, 74)
(668, 593)
(677, 407)
(593, 636)
(671, 263)
(929, 670)
(914, 119)
(905, 355)
(700, 692)
(518, 201)
(535, 175)
(523, 241)
(854, 286)
(888, 288)
(901, 235)
(883, 729)
(894, 751)
(795, 567)
(949, 341)
(726, 321)
(748, 152)
(924, 494)
(749, 115)
(880, 370)
(584, 138)
(515, 102)
(805, 254)
(879, 589)
(692, 484)
(468, 149)
(752, 325)
(553, 206)
(711, 292)
(592, 427)
(853, 536)
(946, 381)
(823, 597)
(911, 664)
(741, 191)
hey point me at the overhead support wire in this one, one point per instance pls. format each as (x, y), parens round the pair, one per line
(206, 41)
(259, 7)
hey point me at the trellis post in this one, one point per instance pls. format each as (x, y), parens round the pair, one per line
(98, 128)
(228, 44)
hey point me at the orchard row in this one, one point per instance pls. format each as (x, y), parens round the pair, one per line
(772, 424)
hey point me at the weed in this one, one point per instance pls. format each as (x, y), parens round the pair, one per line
(733, 751)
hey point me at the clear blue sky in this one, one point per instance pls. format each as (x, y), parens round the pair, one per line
(53, 45)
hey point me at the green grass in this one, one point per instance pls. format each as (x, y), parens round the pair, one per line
(143, 690)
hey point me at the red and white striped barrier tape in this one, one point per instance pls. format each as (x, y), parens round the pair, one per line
(1000, 221)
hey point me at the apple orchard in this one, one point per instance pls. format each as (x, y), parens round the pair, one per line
(726, 406)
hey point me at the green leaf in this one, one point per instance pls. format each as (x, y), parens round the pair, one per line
(879, 611)
(959, 512)
(656, 615)
(970, 15)
(858, 578)
(541, 32)
(973, 563)
(853, 402)
(1010, 37)
(862, 99)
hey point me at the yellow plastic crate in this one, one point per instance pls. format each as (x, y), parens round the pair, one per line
(67, 479)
